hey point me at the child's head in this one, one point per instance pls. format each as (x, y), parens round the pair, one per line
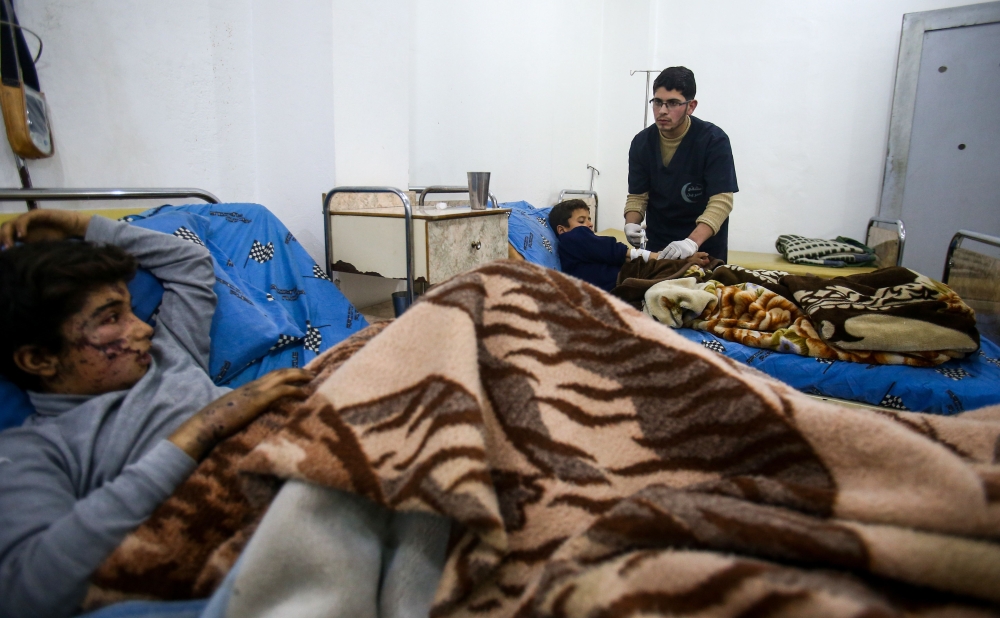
(66, 323)
(568, 215)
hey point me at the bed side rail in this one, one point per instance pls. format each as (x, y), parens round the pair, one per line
(407, 218)
(48, 195)
(425, 191)
(956, 242)
(900, 234)
(584, 192)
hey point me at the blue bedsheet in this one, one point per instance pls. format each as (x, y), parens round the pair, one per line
(528, 231)
(950, 388)
(277, 308)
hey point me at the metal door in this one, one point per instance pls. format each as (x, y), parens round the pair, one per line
(943, 157)
(953, 172)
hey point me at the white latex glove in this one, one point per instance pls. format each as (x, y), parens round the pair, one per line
(633, 231)
(679, 250)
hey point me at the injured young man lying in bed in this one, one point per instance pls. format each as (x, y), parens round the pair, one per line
(124, 411)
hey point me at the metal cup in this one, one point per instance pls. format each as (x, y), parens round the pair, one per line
(479, 190)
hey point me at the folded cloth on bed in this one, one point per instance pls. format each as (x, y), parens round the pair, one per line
(755, 316)
(888, 310)
(893, 309)
(595, 462)
(677, 301)
(840, 252)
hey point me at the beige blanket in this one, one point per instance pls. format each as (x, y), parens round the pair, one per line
(597, 464)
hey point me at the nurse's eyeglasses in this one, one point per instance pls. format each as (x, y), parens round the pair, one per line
(672, 104)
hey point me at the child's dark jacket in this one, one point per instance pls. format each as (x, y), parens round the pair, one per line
(595, 259)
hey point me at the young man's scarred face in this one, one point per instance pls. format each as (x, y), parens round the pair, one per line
(106, 347)
(670, 119)
(579, 218)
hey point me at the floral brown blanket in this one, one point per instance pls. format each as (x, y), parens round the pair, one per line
(597, 464)
(891, 316)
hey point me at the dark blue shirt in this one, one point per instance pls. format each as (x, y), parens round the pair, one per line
(701, 167)
(595, 259)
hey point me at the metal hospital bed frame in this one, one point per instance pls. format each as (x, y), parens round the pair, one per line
(407, 220)
(588, 192)
(956, 242)
(49, 195)
(900, 238)
(425, 191)
(974, 274)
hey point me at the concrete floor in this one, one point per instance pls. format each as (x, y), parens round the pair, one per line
(378, 313)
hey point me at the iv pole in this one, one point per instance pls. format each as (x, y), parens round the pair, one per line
(645, 101)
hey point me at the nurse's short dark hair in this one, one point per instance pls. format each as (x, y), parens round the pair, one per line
(680, 79)
(561, 212)
(42, 285)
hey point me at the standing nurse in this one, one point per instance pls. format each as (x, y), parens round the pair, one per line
(680, 176)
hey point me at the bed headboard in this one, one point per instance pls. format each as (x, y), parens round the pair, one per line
(73, 195)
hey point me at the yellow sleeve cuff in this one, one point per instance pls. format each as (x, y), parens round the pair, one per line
(636, 202)
(716, 211)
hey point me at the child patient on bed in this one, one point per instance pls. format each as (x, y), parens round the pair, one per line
(585, 255)
(124, 411)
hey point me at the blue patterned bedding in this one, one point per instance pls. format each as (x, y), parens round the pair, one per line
(950, 388)
(277, 308)
(529, 233)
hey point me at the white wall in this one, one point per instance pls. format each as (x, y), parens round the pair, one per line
(508, 88)
(625, 48)
(277, 102)
(227, 95)
(372, 52)
(804, 90)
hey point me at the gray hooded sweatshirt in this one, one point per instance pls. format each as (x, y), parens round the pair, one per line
(84, 471)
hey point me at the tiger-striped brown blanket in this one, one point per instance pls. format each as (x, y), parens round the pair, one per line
(597, 464)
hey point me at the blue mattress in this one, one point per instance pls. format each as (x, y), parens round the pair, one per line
(950, 388)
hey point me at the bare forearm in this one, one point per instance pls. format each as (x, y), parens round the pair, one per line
(234, 410)
(217, 421)
(193, 438)
(701, 233)
(633, 217)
